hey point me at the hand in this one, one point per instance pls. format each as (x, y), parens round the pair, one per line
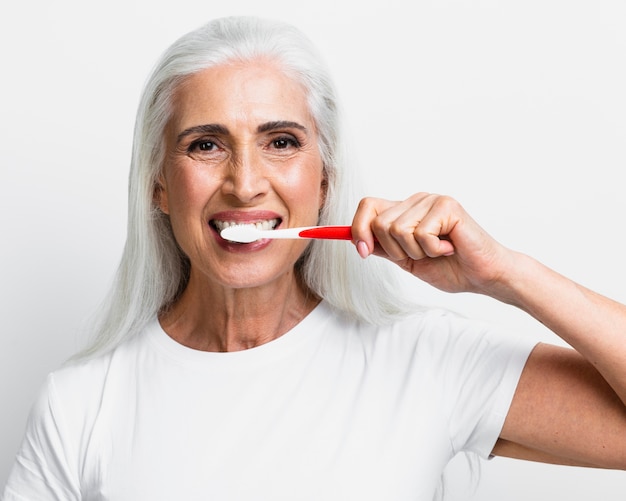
(432, 237)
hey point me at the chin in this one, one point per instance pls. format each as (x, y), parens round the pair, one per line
(258, 276)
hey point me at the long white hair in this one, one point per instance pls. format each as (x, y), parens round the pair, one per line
(153, 271)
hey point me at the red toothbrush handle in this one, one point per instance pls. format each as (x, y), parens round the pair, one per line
(328, 232)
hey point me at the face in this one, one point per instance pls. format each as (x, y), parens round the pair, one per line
(240, 147)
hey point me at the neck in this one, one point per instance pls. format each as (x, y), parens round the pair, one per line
(211, 318)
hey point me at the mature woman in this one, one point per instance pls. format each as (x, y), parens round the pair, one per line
(294, 369)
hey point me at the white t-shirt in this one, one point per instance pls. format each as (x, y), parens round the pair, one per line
(332, 410)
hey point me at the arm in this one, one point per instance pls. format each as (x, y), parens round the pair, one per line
(42, 468)
(569, 406)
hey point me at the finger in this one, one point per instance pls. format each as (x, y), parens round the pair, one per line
(433, 241)
(436, 228)
(397, 241)
(362, 233)
(444, 226)
(396, 227)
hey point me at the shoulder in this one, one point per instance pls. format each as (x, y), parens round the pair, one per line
(76, 389)
(447, 341)
(430, 327)
(428, 332)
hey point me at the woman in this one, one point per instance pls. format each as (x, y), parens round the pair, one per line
(295, 369)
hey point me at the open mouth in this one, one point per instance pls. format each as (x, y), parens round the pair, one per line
(265, 224)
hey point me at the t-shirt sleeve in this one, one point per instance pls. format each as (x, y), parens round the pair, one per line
(480, 367)
(42, 468)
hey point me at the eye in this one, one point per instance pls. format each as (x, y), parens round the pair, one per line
(207, 149)
(202, 146)
(284, 142)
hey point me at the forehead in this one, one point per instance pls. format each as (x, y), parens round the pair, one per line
(240, 92)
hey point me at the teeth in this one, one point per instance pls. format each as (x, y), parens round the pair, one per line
(268, 224)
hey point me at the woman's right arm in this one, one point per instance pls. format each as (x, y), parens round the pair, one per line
(43, 468)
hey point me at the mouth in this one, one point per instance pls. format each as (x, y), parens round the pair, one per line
(263, 224)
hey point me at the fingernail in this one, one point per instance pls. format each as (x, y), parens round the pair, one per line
(362, 249)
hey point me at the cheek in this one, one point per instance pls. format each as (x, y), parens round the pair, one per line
(186, 189)
(304, 188)
(186, 212)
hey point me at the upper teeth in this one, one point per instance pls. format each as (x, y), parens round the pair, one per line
(268, 224)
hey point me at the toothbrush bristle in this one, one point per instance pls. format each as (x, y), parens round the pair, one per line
(241, 233)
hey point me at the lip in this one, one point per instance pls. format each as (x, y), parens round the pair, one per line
(242, 217)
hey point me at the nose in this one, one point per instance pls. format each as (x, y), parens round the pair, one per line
(246, 178)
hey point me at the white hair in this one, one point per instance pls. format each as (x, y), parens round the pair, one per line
(153, 271)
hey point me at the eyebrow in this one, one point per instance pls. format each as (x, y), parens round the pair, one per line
(223, 130)
(280, 124)
(203, 129)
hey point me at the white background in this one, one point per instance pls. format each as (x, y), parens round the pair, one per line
(516, 108)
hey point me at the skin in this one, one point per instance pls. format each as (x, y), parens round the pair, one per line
(243, 146)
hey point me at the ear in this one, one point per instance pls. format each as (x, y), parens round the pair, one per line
(159, 195)
(323, 189)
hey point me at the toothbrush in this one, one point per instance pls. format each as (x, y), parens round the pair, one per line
(246, 233)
